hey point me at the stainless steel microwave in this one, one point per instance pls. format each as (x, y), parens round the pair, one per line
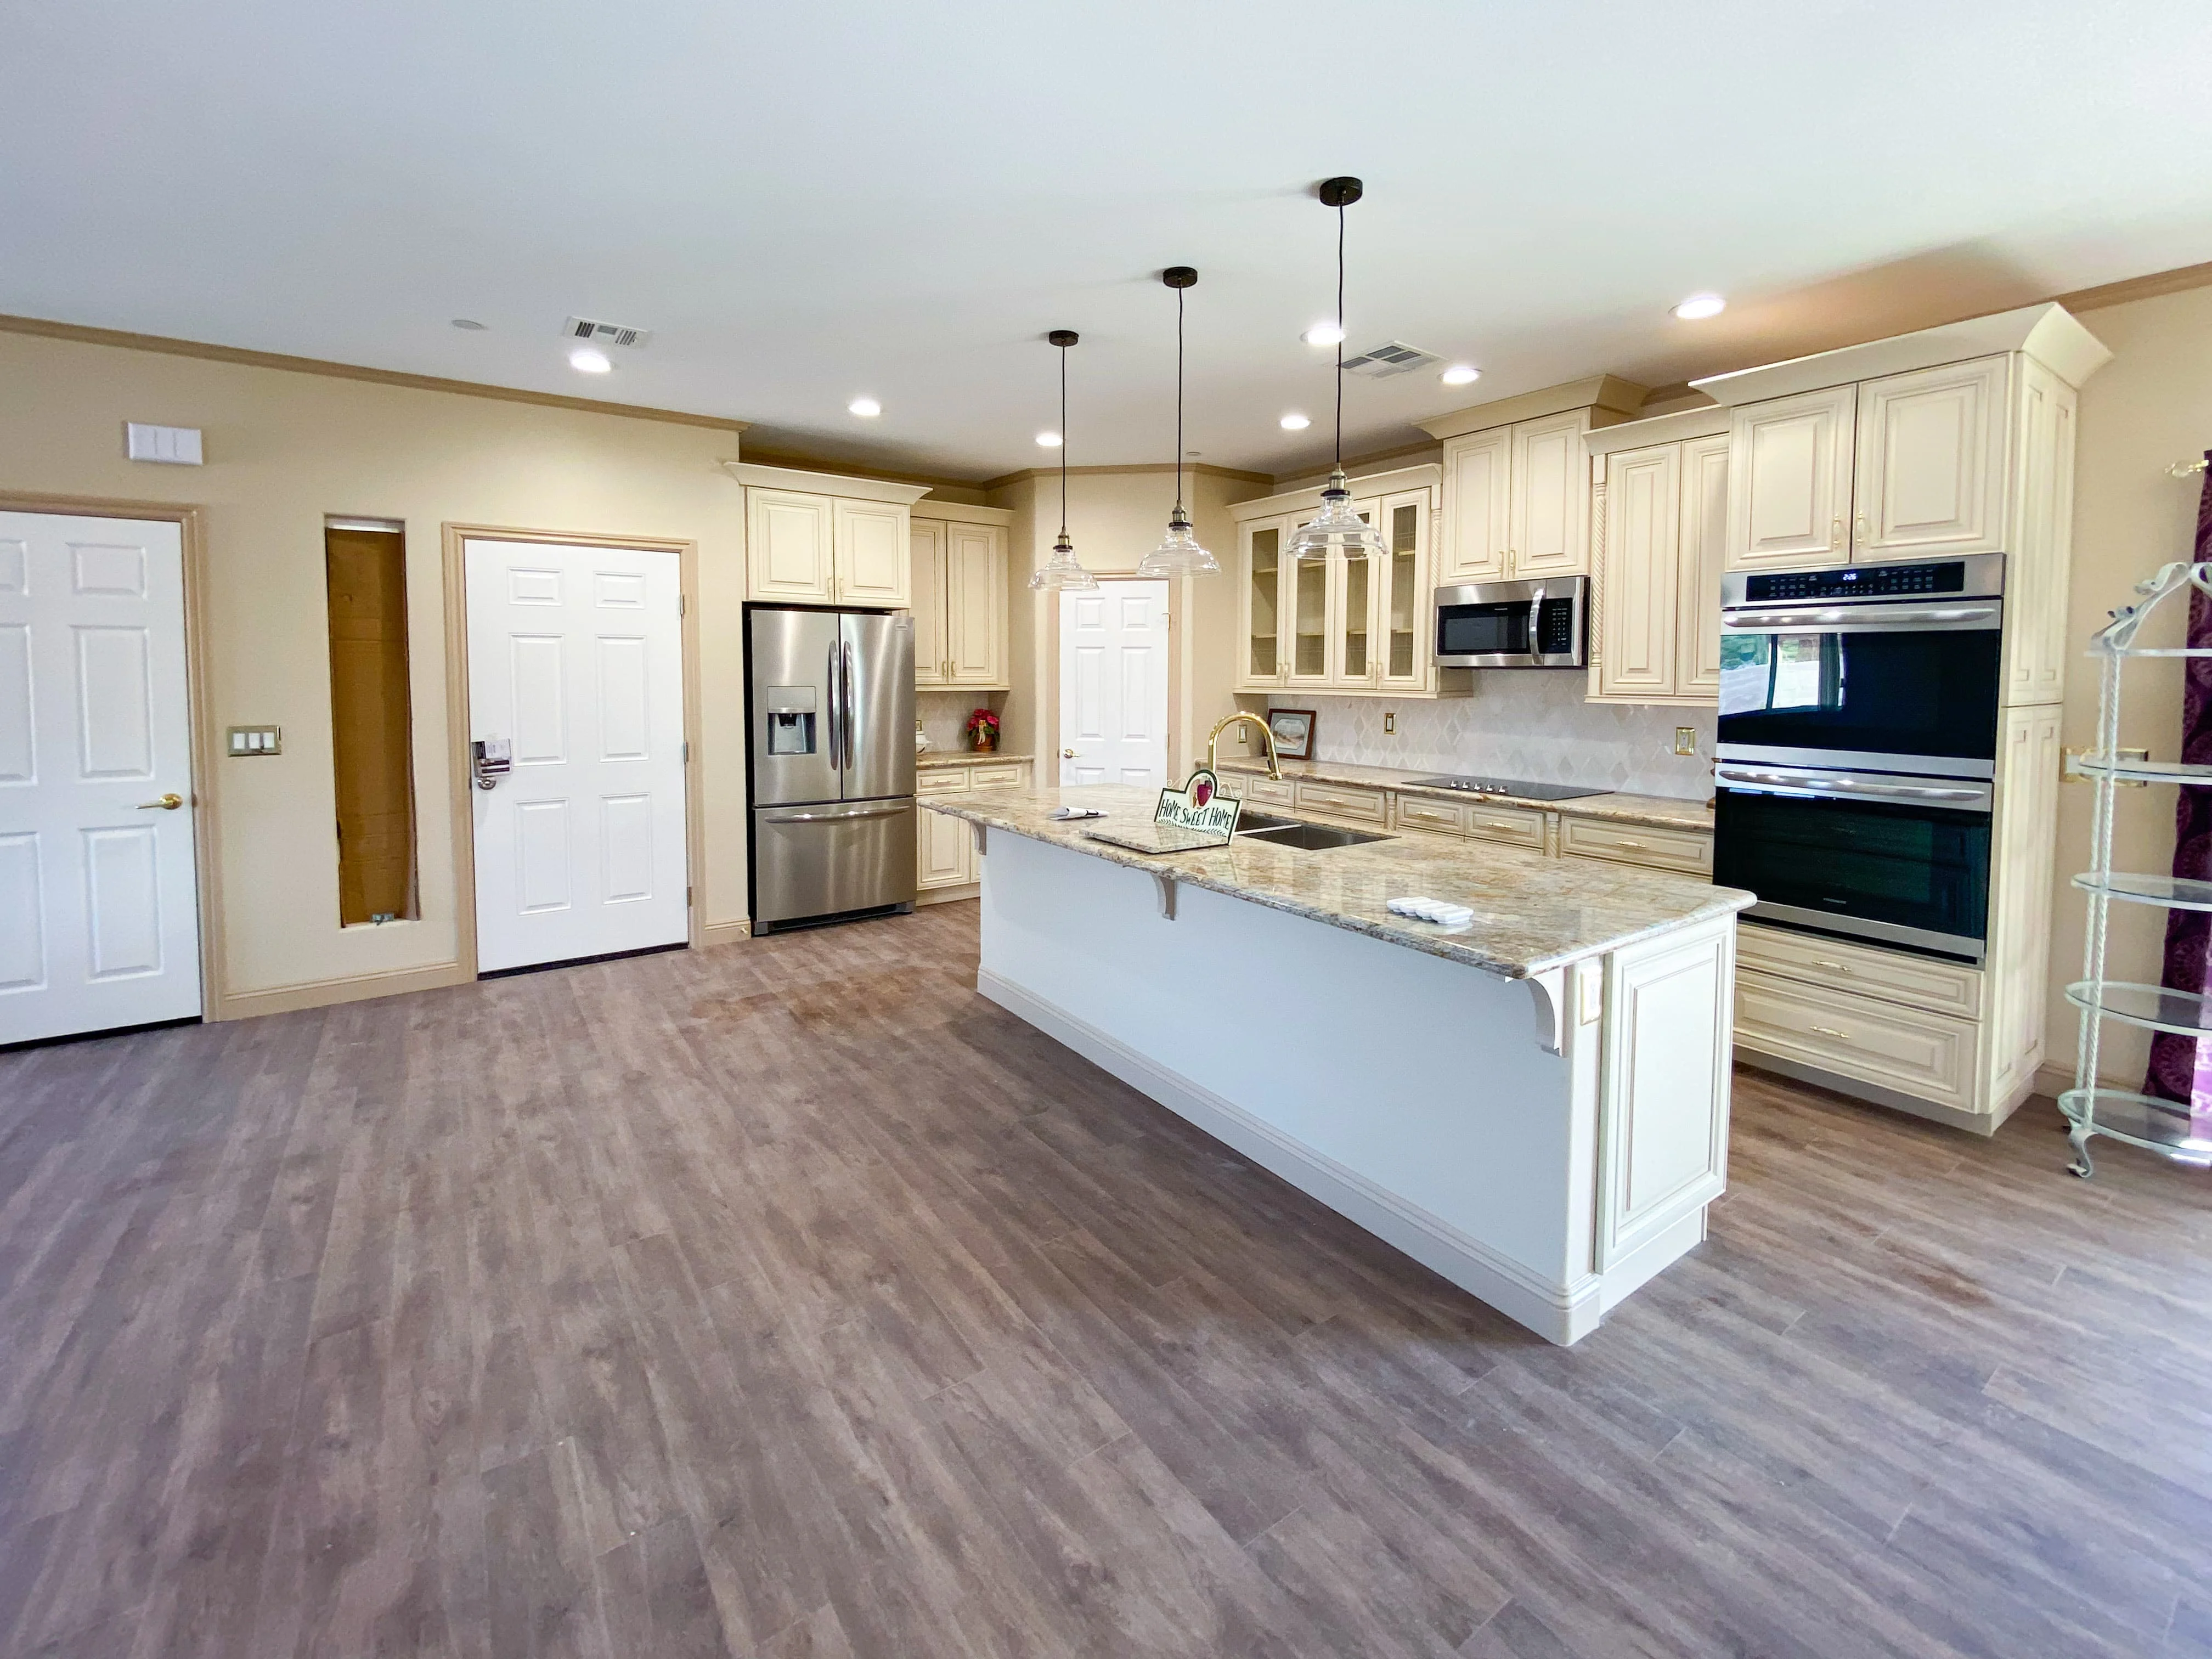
(1539, 624)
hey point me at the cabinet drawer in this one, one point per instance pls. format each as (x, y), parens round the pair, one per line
(1685, 850)
(1939, 987)
(1340, 800)
(1256, 790)
(940, 781)
(1517, 826)
(1928, 1056)
(994, 777)
(1447, 817)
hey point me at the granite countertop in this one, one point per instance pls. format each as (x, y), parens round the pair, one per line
(962, 757)
(1531, 912)
(1659, 812)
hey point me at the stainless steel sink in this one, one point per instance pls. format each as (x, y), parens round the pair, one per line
(1296, 832)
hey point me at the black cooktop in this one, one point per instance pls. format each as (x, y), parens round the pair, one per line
(1506, 786)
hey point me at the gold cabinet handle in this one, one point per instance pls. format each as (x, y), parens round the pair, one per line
(1839, 966)
(1492, 824)
(1637, 845)
(1866, 532)
(1835, 533)
(168, 803)
(1830, 1030)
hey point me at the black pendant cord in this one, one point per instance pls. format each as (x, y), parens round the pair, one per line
(1179, 401)
(1339, 338)
(1063, 443)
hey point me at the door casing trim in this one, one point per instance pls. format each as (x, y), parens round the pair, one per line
(207, 830)
(457, 715)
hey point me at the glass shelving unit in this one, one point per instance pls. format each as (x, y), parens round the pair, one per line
(2164, 1126)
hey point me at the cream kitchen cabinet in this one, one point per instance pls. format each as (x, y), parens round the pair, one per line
(960, 597)
(1947, 441)
(1516, 503)
(946, 862)
(818, 538)
(1789, 480)
(1660, 503)
(1516, 486)
(1341, 625)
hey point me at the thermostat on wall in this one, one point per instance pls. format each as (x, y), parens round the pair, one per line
(178, 445)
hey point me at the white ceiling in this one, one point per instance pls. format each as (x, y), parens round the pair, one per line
(811, 202)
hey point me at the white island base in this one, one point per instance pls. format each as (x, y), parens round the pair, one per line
(1548, 1143)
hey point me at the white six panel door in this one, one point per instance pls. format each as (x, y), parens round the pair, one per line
(99, 897)
(576, 658)
(1114, 685)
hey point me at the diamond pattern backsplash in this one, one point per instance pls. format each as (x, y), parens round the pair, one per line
(943, 716)
(1529, 725)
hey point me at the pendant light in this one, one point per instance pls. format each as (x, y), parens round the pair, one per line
(1061, 569)
(1179, 553)
(1338, 529)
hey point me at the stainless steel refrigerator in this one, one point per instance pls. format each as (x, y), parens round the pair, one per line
(829, 703)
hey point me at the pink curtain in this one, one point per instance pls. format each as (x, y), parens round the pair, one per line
(2181, 1067)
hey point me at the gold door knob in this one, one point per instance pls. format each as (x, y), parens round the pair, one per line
(1067, 754)
(168, 803)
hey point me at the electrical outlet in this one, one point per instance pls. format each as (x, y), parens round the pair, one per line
(1389, 722)
(1686, 739)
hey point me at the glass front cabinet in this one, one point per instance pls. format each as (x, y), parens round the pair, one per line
(1341, 625)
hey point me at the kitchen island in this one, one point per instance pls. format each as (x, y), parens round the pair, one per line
(1534, 1102)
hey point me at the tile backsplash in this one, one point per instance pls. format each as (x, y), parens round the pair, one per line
(943, 716)
(1530, 724)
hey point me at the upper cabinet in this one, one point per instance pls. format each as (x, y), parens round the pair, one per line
(1789, 489)
(818, 538)
(1930, 446)
(1515, 490)
(1660, 490)
(1929, 475)
(960, 574)
(1340, 625)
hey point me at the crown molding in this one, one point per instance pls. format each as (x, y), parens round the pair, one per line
(124, 340)
(1607, 391)
(850, 485)
(1193, 468)
(2179, 279)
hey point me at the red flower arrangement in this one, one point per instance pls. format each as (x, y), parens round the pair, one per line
(983, 730)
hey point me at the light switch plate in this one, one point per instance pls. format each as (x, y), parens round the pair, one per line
(176, 446)
(245, 742)
(1389, 722)
(1686, 739)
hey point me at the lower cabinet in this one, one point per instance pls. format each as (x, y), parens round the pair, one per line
(1687, 851)
(946, 864)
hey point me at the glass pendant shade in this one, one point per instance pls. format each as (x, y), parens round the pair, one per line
(1061, 569)
(1179, 553)
(1337, 528)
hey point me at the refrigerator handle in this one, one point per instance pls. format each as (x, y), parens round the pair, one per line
(846, 689)
(830, 696)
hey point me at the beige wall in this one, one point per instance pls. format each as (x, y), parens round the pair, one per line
(2151, 406)
(283, 449)
(1115, 519)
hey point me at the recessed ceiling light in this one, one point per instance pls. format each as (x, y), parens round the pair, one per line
(1322, 334)
(1699, 307)
(1460, 374)
(1049, 439)
(866, 407)
(1296, 423)
(468, 323)
(589, 360)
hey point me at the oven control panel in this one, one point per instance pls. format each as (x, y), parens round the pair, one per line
(1858, 581)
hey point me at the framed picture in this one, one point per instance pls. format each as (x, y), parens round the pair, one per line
(1293, 730)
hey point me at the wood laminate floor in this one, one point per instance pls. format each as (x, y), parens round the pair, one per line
(786, 1298)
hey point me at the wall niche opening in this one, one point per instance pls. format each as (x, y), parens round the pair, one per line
(372, 719)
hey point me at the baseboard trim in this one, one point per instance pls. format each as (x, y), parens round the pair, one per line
(1974, 1123)
(948, 895)
(724, 933)
(327, 992)
(1560, 1313)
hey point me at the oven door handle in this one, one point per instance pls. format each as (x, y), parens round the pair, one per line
(1854, 787)
(1861, 618)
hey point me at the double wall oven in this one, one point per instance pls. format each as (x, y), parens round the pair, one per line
(1858, 749)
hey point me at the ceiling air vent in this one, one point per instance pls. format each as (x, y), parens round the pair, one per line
(1391, 357)
(583, 328)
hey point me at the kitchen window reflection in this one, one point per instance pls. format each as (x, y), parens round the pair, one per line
(1774, 672)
